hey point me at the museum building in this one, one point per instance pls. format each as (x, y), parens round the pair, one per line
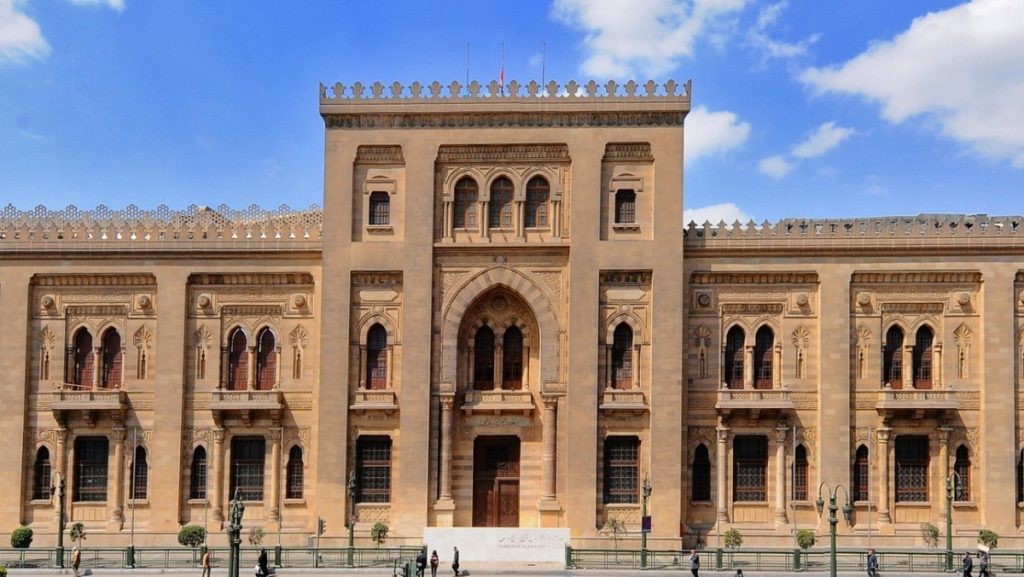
(500, 319)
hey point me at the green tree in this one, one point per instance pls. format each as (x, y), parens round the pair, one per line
(988, 538)
(256, 536)
(614, 527)
(733, 539)
(21, 538)
(930, 534)
(805, 539)
(77, 533)
(191, 536)
(379, 533)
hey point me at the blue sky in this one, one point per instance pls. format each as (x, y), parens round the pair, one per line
(802, 108)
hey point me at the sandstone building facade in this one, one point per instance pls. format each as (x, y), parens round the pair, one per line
(499, 318)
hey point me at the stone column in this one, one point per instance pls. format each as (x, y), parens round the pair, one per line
(117, 517)
(883, 475)
(362, 367)
(937, 366)
(499, 365)
(547, 470)
(215, 490)
(526, 368)
(97, 366)
(390, 367)
(60, 465)
(780, 475)
(637, 355)
(723, 447)
(608, 376)
(449, 212)
(470, 367)
(447, 402)
(748, 367)
(252, 369)
(277, 367)
(777, 367)
(908, 366)
(275, 473)
(943, 432)
(223, 368)
(484, 222)
(520, 216)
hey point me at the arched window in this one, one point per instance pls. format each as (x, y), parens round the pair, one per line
(465, 203)
(483, 359)
(238, 361)
(1020, 477)
(380, 209)
(800, 474)
(764, 345)
(622, 357)
(701, 475)
(625, 206)
(140, 474)
(512, 359)
(197, 483)
(538, 192)
(266, 360)
(295, 474)
(732, 372)
(41, 475)
(962, 467)
(861, 475)
(892, 358)
(82, 359)
(499, 211)
(110, 376)
(923, 358)
(377, 357)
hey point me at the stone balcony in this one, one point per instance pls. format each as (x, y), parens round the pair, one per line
(754, 401)
(631, 400)
(244, 403)
(498, 401)
(68, 398)
(385, 401)
(916, 402)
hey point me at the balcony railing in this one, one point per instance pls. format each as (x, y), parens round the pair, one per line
(917, 400)
(249, 400)
(498, 401)
(623, 400)
(754, 400)
(71, 397)
(375, 400)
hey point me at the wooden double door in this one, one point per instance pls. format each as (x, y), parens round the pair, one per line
(496, 482)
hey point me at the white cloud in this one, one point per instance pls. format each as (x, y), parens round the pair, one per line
(115, 4)
(826, 137)
(650, 35)
(758, 37)
(725, 211)
(710, 133)
(20, 37)
(960, 68)
(775, 166)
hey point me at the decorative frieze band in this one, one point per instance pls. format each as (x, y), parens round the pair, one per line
(503, 153)
(504, 120)
(385, 278)
(635, 151)
(475, 91)
(912, 308)
(251, 310)
(291, 278)
(626, 277)
(920, 277)
(97, 279)
(367, 154)
(777, 277)
(752, 308)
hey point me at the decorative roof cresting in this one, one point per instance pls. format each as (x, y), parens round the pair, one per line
(611, 90)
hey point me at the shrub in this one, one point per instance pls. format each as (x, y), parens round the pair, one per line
(21, 538)
(3, 571)
(930, 534)
(805, 539)
(733, 539)
(256, 536)
(77, 533)
(379, 532)
(615, 528)
(988, 538)
(191, 536)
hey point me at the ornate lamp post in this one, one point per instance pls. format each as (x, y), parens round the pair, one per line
(235, 534)
(645, 527)
(952, 482)
(832, 519)
(351, 514)
(58, 488)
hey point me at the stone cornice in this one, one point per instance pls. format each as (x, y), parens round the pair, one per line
(386, 278)
(626, 277)
(754, 277)
(635, 151)
(213, 279)
(367, 154)
(254, 310)
(502, 153)
(97, 279)
(922, 277)
(555, 119)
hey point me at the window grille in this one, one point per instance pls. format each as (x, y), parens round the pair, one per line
(373, 465)
(248, 456)
(465, 203)
(91, 469)
(701, 475)
(800, 474)
(622, 357)
(377, 357)
(140, 482)
(266, 361)
(512, 359)
(538, 193)
(238, 362)
(197, 486)
(861, 474)
(483, 359)
(500, 208)
(82, 366)
(911, 469)
(625, 207)
(962, 467)
(380, 208)
(750, 464)
(41, 475)
(621, 469)
(110, 376)
(764, 343)
(923, 359)
(294, 487)
(733, 370)
(892, 358)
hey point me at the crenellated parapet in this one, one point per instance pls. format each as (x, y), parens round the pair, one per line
(434, 91)
(878, 233)
(162, 229)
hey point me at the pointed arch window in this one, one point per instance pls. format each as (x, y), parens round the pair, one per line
(499, 211)
(923, 358)
(377, 357)
(41, 475)
(295, 474)
(483, 359)
(82, 359)
(140, 474)
(962, 467)
(1020, 476)
(110, 375)
(625, 206)
(764, 348)
(701, 490)
(466, 193)
(512, 359)
(238, 361)
(800, 466)
(861, 474)
(197, 482)
(538, 193)
(266, 360)
(892, 358)
(732, 372)
(622, 357)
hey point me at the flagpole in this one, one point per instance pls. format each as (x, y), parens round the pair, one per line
(543, 60)
(502, 75)
(467, 65)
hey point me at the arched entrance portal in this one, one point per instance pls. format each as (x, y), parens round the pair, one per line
(496, 481)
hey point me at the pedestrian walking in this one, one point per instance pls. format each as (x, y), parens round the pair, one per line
(76, 559)
(206, 563)
(694, 562)
(421, 563)
(434, 561)
(455, 562)
(968, 564)
(872, 563)
(983, 564)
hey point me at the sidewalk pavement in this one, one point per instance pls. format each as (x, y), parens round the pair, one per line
(468, 571)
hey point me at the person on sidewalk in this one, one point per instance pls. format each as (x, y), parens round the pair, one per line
(207, 571)
(421, 563)
(983, 564)
(76, 559)
(694, 562)
(968, 564)
(872, 563)
(434, 561)
(455, 562)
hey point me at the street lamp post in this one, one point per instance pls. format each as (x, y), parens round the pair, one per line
(832, 519)
(235, 534)
(644, 526)
(58, 489)
(952, 482)
(351, 515)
